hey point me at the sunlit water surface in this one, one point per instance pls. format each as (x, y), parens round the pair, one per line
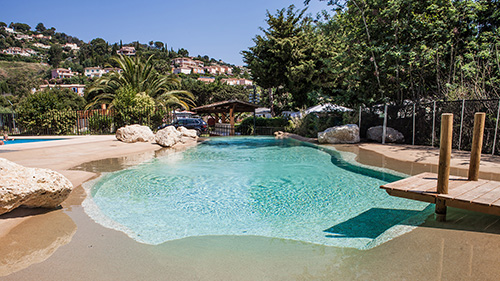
(253, 186)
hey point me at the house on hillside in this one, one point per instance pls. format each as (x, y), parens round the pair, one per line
(30, 51)
(206, 80)
(23, 37)
(126, 51)
(76, 88)
(18, 51)
(237, 81)
(92, 72)
(71, 46)
(210, 70)
(9, 30)
(41, 36)
(97, 71)
(112, 69)
(187, 62)
(184, 69)
(197, 70)
(62, 73)
(42, 46)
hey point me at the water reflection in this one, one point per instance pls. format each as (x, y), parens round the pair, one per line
(33, 240)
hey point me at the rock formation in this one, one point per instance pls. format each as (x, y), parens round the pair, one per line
(135, 133)
(340, 134)
(188, 133)
(391, 134)
(168, 136)
(279, 135)
(30, 187)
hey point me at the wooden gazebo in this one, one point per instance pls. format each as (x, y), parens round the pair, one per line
(226, 107)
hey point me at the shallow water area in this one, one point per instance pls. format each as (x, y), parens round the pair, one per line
(253, 186)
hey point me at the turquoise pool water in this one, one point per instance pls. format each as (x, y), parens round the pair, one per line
(14, 140)
(253, 186)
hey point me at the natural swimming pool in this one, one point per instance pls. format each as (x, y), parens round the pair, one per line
(253, 186)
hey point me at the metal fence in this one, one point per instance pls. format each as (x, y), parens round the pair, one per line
(106, 121)
(242, 130)
(420, 123)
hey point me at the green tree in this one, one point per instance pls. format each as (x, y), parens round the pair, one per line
(183, 52)
(287, 57)
(402, 49)
(40, 27)
(55, 55)
(3, 24)
(159, 45)
(141, 78)
(20, 27)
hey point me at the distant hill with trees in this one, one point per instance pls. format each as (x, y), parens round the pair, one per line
(44, 49)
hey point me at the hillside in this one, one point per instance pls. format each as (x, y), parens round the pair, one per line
(19, 78)
(11, 69)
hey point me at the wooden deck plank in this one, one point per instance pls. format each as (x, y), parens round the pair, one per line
(477, 192)
(489, 197)
(480, 196)
(408, 183)
(465, 187)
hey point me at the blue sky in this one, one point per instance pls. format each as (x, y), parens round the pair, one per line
(220, 29)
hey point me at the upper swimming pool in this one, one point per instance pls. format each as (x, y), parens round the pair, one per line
(253, 186)
(14, 140)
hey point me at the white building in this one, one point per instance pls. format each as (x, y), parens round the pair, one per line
(40, 45)
(71, 46)
(179, 70)
(97, 71)
(76, 88)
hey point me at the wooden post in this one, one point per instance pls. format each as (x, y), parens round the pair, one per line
(444, 163)
(223, 117)
(477, 144)
(231, 120)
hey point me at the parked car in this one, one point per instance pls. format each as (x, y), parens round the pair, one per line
(189, 123)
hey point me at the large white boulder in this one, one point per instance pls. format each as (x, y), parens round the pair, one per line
(30, 187)
(168, 136)
(340, 134)
(187, 132)
(135, 133)
(391, 134)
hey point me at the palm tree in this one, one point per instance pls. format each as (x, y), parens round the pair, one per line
(142, 78)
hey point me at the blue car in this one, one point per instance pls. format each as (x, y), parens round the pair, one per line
(189, 123)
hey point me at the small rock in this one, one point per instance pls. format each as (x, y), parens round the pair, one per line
(391, 135)
(135, 133)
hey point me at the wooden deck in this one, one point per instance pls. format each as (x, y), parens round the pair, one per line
(480, 196)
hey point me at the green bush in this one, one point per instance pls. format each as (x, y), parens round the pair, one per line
(100, 123)
(49, 112)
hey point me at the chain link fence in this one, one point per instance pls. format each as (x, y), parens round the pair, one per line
(420, 123)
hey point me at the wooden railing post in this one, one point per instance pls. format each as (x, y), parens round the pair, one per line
(477, 144)
(444, 163)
